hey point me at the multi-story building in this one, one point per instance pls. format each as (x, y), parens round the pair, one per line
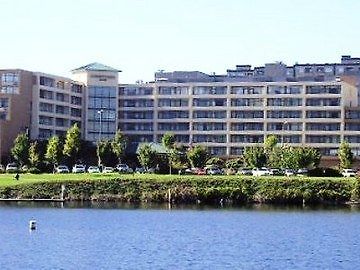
(306, 104)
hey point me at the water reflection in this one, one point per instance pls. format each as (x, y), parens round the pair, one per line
(166, 206)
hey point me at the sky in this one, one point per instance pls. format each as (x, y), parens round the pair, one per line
(140, 37)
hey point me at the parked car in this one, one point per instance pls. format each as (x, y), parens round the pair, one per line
(62, 169)
(289, 172)
(11, 168)
(2, 168)
(276, 171)
(214, 171)
(348, 173)
(302, 172)
(245, 171)
(123, 168)
(78, 168)
(108, 170)
(140, 170)
(199, 171)
(261, 172)
(93, 169)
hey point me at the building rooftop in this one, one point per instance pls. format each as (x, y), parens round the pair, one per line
(95, 67)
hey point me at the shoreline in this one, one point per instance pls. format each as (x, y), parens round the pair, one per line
(191, 190)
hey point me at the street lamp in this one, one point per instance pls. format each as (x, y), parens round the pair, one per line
(100, 112)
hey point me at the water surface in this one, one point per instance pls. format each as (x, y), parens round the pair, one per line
(118, 236)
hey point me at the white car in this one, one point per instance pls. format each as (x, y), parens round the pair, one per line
(108, 170)
(62, 169)
(261, 172)
(348, 173)
(289, 172)
(123, 168)
(11, 168)
(93, 169)
(78, 168)
(244, 171)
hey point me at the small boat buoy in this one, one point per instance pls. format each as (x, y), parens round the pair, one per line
(32, 224)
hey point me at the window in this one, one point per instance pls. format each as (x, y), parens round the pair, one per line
(61, 122)
(173, 90)
(247, 114)
(45, 133)
(245, 90)
(352, 138)
(352, 115)
(76, 88)
(62, 97)
(62, 109)
(247, 138)
(211, 102)
(323, 114)
(352, 126)
(135, 91)
(218, 151)
(173, 126)
(76, 100)
(136, 103)
(136, 115)
(252, 102)
(180, 138)
(75, 112)
(209, 138)
(322, 139)
(284, 126)
(46, 94)
(9, 89)
(209, 126)
(46, 107)
(246, 126)
(280, 89)
(102, 91)
(173, 114)
(323, 89)
(10, 78)
(323, 126)
(4, 105)
(323, 102)
(45, 120)
(136, 126)
(284, 114)
(286, 102)
(236, 151)
(210, 114)
(289, 138)
(209, 90)
(173, 102)
(46, 81)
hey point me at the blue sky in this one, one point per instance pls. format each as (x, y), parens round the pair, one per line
(142, 36)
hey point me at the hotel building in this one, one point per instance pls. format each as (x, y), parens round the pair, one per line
(313, 105)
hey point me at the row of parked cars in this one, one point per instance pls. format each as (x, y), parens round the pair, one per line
(79, 168)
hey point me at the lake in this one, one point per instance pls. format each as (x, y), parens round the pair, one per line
(121, 236)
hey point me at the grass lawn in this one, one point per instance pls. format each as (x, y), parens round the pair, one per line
(9, 180)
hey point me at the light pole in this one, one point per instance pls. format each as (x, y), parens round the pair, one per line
(100, 112)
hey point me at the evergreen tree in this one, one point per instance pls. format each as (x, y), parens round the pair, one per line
(345, 155)
(20, 150)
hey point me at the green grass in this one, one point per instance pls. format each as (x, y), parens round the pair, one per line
(9, 180)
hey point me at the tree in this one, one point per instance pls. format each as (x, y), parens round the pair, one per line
(34, 156)
(254, 156)
(146, 156)
(198, 156)
(53, 151)
(270, 143)
(168, 141)
(20, 150)
(72, 143)
(105, 153)
(345, 155)
(234, 164)
(216, 161)
(118, 145)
